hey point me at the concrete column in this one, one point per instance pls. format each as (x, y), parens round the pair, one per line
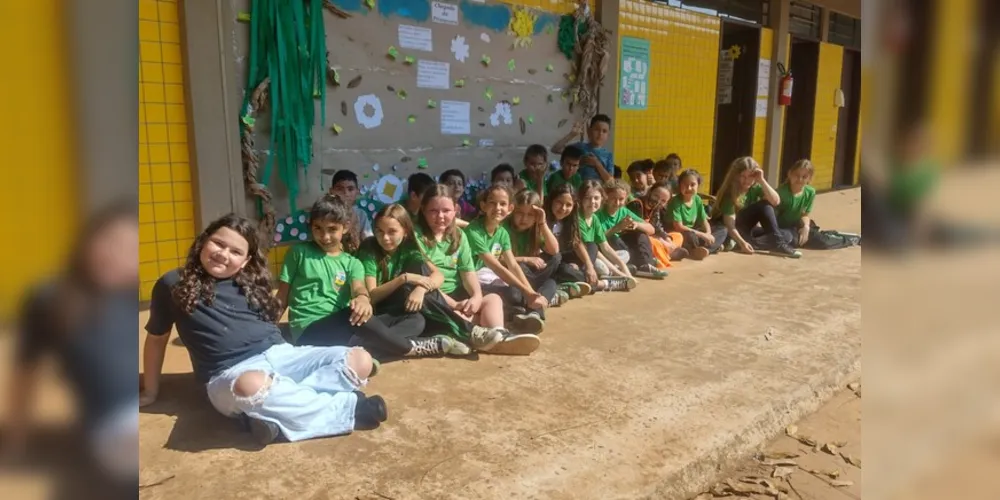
(607, 97)
(824, 25)
(105, 100)
(780, 10)
(214, 97)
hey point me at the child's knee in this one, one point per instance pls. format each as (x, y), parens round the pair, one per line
(252, 385)
(492, 301)
(360, 361)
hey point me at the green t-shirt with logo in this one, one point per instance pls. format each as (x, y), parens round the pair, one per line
(318, 284)
(793, 207)
(559, 178)
(609, 221)
(592, 232)
(530, 183)
(450, 264)
(691, 216)
(753, 195)
(520, 241)
(480, 241)
(405, 256)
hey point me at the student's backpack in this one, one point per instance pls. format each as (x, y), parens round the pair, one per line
(830, 240)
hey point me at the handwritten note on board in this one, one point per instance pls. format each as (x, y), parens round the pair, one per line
(455, 117)
(433, 75)
(415, 37)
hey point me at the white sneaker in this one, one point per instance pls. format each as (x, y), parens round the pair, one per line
(518, 345)
(483, 339)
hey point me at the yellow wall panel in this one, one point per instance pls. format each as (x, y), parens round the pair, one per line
(824, 142)
(165, 196)
(951, 77)
(680, 113)
(40, 200)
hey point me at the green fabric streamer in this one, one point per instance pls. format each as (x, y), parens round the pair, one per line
(565, 38)
(288, 45)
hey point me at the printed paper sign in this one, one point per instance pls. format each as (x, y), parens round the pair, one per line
(415, 37)
(763, 77)
(725, 94)
(433, 75)
(455, 117)
(444, 13)
(761, 111)
(634, 84)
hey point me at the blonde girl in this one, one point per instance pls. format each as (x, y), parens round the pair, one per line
(535, 248)
(627, 231)
(795, 210)
(745, 200)
(595, 240)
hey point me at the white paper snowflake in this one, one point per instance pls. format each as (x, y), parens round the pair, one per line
(460, 48)
(501, 112)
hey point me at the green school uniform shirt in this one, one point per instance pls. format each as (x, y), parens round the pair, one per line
(450, 264)
(406, 255)
(520, 241)
(693, 216)
(480, 241)
(792, 208)
(530, 183)
(319, 284)
(592, 233)
(559, 178)
(754, 194)
(910, 185)
(609, 221)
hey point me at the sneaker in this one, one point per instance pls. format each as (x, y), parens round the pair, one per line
(559, 299)
(585, 288)
(623, 255)
(678, 254)
(650, 271)
(729, 245)
(571, 289)
(619, 283)
(531, 322)
(518, 345)
(369, 412)
(483, 339)
(263, 432)
(699, 253)
(632, 269)
(786, 250)
(422, 347)
(376, 367)
(452, 347)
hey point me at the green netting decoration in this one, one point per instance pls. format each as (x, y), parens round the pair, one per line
(286, 72)
(566, 38)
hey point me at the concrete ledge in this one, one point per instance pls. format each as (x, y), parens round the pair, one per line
(639, 395)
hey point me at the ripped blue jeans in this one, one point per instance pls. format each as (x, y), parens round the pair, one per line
(309, 393)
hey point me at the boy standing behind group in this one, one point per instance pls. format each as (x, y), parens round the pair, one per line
(597, 163)
(569, 164)
(345, 185)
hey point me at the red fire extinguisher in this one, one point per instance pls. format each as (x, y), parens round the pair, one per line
(785, 98)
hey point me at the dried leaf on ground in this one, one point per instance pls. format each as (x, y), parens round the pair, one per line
(841, 484)
(769, 334)
(832, 474)
(840, 444)
(851, 460)
(854, 386)
(782, 462)
(749, 489)
(806, 440)
(831, 449)
(792, 430)
(778, 455)
(782, 472)
(703, 496)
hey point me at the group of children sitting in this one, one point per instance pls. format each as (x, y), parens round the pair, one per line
(437, 275)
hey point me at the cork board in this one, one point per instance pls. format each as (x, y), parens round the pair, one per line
(525, 79)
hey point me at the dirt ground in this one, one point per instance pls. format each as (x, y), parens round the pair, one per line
(797, 470)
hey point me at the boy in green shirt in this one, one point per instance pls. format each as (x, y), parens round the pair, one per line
(536, 166)
(569, 166)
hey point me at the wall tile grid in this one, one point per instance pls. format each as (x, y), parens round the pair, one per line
(951, 75)
(680, 114)
(40, 205)
(760, 124)
(166, 206)
(824, 142)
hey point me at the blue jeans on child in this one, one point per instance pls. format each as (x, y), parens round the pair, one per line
(311, 391)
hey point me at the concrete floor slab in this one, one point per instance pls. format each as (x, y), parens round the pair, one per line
(638, 395)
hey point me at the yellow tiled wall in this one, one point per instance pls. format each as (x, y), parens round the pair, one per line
(951, 76)
(760, 124)
(166, 206)
(39, 199)
(824, 142)
(684, 64)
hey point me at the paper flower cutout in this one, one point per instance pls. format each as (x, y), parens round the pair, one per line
(368, 110)
(460, 48)
(501, 113)
(522, 26)
(735, 52)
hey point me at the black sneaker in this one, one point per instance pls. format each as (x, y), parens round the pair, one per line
(650, 271)
(786, 250)
(263, 432)
(530, 322)
(369, 412)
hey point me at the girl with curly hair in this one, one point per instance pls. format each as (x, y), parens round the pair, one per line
(222, 307)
